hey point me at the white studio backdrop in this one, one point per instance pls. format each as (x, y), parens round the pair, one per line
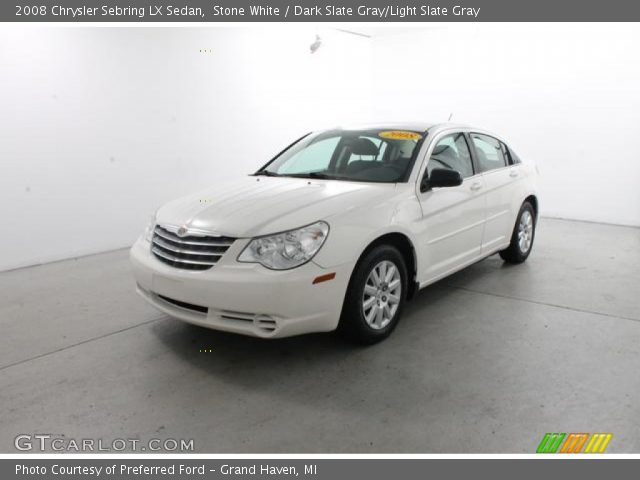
(100, 126)
(566, 96)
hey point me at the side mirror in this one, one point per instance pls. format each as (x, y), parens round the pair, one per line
(440, 177)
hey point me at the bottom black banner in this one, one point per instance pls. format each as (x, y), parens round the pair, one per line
(316, 469)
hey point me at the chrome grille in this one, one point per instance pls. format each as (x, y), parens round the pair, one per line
(190, 252)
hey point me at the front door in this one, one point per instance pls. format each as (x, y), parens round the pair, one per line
(452, 217)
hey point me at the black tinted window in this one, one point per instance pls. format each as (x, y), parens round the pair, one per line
(489, 152)
(513, 158)
(452, 152)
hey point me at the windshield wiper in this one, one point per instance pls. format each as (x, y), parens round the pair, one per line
(322, 176)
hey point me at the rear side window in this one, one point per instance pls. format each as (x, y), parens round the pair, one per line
(512, 157)
(489, 152)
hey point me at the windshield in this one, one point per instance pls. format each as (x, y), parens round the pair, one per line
(355, 155)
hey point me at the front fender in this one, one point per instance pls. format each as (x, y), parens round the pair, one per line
(353, 231)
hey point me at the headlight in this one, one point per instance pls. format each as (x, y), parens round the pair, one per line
(286, 250)
(148, 232)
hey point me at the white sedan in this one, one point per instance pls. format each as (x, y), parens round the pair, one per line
(338, 231)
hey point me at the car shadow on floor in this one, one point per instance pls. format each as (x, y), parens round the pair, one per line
(253, 361)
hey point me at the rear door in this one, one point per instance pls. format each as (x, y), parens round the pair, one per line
(500, 175)
(452, 217)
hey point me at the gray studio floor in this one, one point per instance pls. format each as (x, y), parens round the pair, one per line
(485, 361)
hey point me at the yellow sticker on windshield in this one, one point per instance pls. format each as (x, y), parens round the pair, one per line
(400, 135)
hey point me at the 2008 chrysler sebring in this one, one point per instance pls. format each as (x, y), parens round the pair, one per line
(338, 231)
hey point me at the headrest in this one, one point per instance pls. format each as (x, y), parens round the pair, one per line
(363, 146)
(406, 148)
(444, 151)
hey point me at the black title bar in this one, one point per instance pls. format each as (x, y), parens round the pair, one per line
(319, 11)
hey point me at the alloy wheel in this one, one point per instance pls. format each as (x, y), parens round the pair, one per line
(525, 231)
(381, 296)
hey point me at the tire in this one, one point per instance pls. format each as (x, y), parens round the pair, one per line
(522, 237)
(369, 316)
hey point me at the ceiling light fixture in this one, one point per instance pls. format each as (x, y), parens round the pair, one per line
(315, 45)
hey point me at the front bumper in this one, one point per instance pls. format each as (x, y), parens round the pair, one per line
(243, 298)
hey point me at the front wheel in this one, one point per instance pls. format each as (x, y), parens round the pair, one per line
(376, 296)
(522, 236)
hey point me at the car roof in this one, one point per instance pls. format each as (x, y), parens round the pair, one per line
(411, 126)
(433, 127)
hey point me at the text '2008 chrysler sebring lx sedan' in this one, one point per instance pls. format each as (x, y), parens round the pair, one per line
(338, 231)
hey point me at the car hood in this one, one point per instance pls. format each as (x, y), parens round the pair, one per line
(258, 205)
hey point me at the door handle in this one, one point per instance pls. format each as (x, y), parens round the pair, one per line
(513, 173)
(476, 186)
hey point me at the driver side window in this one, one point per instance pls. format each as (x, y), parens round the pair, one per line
(452, 153)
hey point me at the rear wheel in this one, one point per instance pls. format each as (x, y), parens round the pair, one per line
(375, 296)
(522, 236)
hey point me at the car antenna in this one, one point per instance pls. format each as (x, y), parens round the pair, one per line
(450, 117)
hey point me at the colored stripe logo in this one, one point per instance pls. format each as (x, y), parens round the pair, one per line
(574, 442)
